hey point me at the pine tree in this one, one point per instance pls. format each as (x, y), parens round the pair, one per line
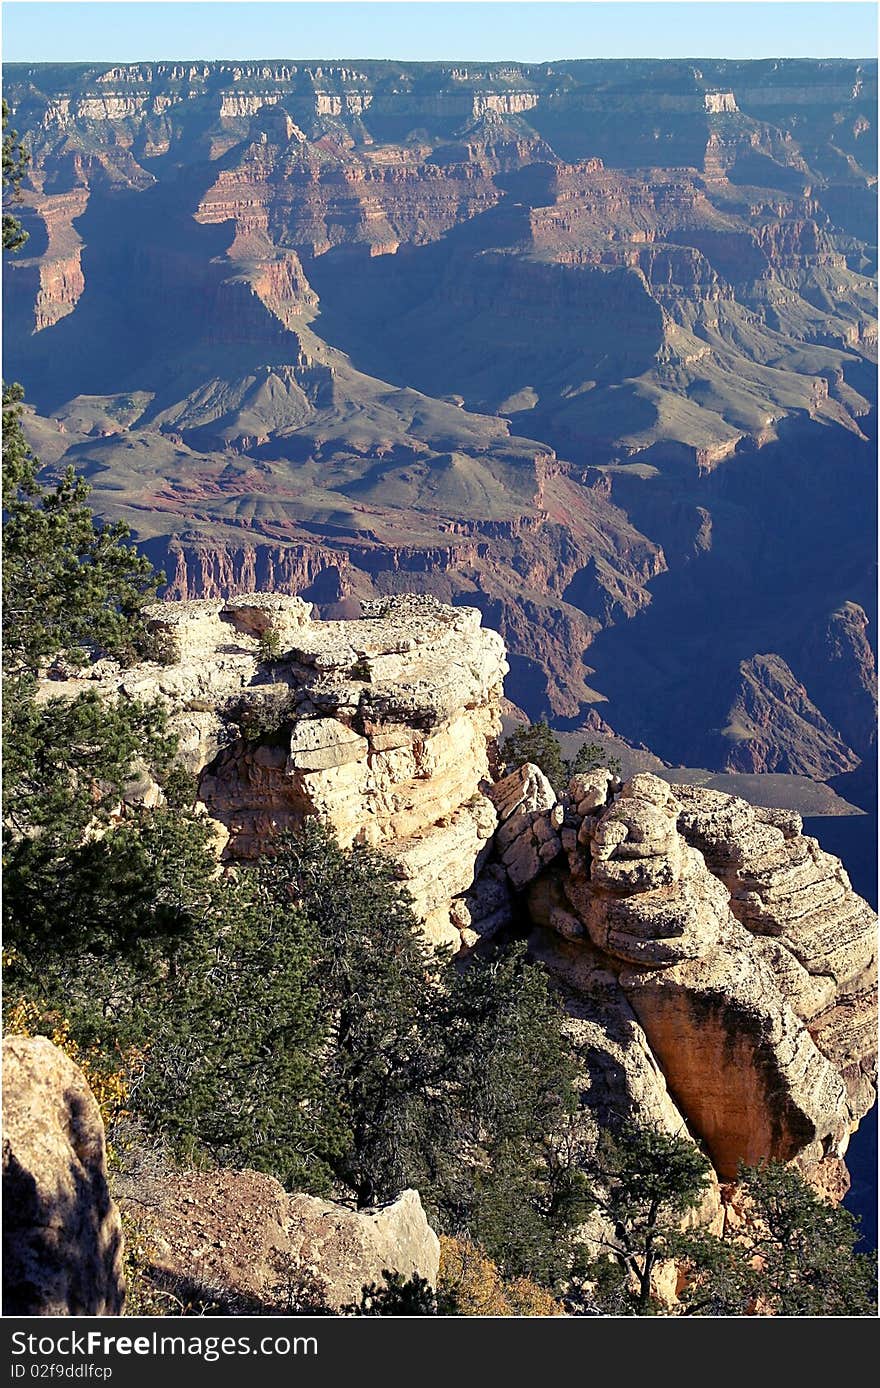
(806, 1247)
(643, 1181)
(536, 743)
(15, 161)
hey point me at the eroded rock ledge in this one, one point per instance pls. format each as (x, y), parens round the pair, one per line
(718, 970)
(380, 726)
(720, 941)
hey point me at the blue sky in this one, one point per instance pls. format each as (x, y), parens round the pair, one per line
(532, 31)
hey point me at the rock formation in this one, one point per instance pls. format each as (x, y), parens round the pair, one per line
(718, 940)
(62, 1237)
(796, 901)
(525, 338)
(381, 727)
(239, 1236)
(528, 819)
(718, 969)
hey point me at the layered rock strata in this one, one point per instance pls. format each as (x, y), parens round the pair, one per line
(720, 941)
(797, 903)
(380, 727)
(526, 337)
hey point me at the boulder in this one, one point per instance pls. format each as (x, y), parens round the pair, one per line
(62, 1236)
(239, 1237)
(350, 1249)
(259, 614)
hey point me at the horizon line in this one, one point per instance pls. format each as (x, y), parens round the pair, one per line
(433, 62)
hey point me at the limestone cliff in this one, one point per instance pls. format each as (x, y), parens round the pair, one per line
(380, 726)
(718, 969)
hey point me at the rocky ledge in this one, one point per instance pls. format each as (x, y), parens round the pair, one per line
(380, 726)
(718, 969)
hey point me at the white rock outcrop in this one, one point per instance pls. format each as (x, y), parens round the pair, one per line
(380, 726)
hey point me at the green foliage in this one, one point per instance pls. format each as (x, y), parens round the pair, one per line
(19, 464)
(212, 977)
(73, 589)
(263, 714)
(589, 757)
(375, 971)
(450, 1079)
(808, 1263)
(269, 645)
(114, 906)
(15, 161)
(399, 1296)
(361, 670)
(794, 1255)
(236, 1036)
(512, 1095)
(536, 743)
(643, 1181)
(71, 586)
(68, 762)
(66, 768)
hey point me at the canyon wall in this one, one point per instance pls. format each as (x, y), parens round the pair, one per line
(587, 346)
(719, 971)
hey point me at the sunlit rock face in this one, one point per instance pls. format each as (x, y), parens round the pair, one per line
(737, 947)
(380, 727)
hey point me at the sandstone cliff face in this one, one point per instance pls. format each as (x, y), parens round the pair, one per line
(819, 938)
(62, 1237)
(732, 951)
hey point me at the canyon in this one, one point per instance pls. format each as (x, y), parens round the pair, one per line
(587, 346)
(717, 970)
